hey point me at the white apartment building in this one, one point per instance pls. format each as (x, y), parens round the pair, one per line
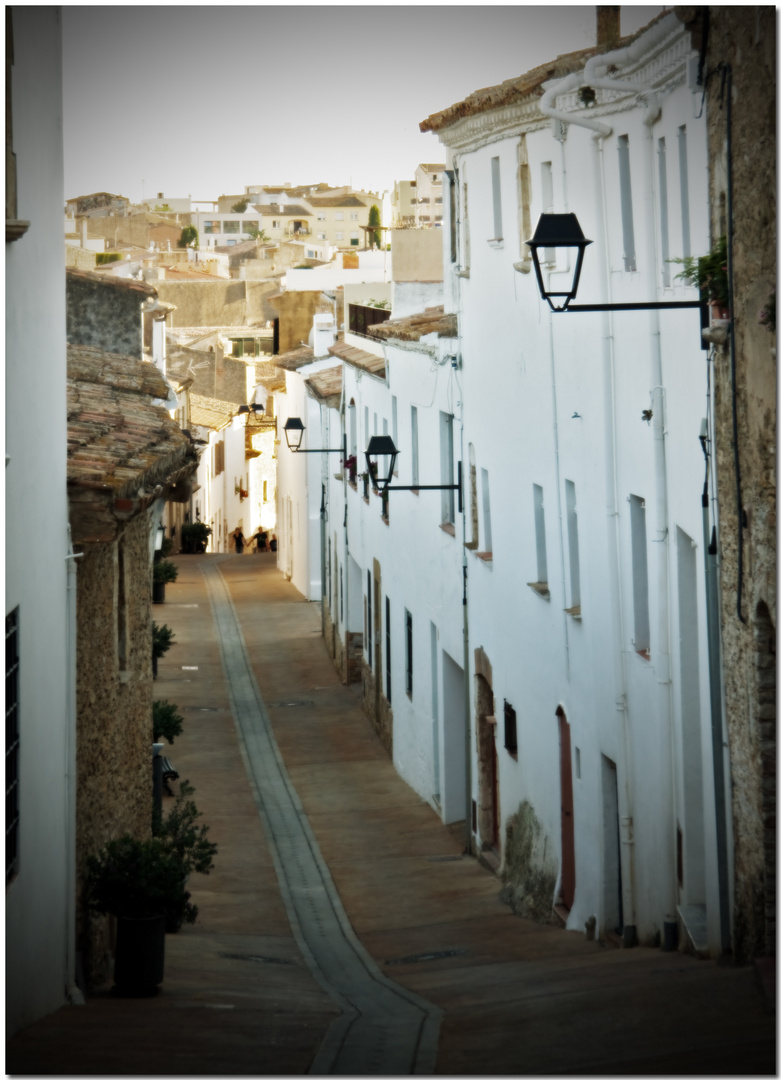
(538, 664)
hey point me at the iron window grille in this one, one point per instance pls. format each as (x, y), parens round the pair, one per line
(510, 730)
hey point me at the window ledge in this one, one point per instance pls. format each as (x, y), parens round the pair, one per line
(644, 654)
(15, 230)
(448, 528)
(573, 611)
(352, 484)
(462, 273)
(385, 519)
(541, 588)
(523, 267)
(471, 545)
(497, 243)
(338, 476)
(124, 677)
(486, 556)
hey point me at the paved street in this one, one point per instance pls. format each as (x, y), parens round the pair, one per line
(342, 930)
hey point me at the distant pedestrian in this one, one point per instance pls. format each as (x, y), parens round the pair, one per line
(273, 542)
(261, 540)
(238, 539)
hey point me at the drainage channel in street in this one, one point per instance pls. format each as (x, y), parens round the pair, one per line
(383, 1028)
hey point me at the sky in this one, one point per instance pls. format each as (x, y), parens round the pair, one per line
(203, 101)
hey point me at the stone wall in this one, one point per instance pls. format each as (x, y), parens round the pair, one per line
(530, 867)
(745, 39)
(81, 258)
(114, 711)
(205, 303)
(106, 316)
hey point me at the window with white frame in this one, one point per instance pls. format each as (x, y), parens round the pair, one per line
(496, 190)
(642, 639)
(627, 217)
(574, 547)
(446, 467)
(353, 215)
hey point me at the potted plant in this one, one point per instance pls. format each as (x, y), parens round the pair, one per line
(351, 464)
(184, 839)
(166, 721)
(708, 273)
(162, 640)
(195, 537)
(163, 572)
(138, 882)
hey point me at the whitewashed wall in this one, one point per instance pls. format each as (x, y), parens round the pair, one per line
(40, 937)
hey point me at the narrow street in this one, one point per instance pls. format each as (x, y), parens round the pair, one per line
(342, 931)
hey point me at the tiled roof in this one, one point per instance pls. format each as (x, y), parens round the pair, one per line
(130, 284)
(335, 200)
(211, 413)
(123, 451)
(175, 273)
(366, 361)
(236, 249)
(326, 385)
(508, 92)
(414, 327)
(295, 358)
(275, 210)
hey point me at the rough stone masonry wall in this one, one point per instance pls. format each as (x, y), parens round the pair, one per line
(105, 316)
(745, 38)
(114, 718)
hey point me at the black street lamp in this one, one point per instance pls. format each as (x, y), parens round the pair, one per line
(564, 231)
(382, 446)
(294, 433)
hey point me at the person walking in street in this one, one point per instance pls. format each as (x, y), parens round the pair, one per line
(261, 540)
(238, 539)
(273, 542)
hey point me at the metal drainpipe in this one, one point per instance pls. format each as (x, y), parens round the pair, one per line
(72, 992)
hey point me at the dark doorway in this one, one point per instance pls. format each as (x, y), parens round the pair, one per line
(567, 891)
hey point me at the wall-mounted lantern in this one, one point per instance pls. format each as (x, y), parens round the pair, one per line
(382, 446)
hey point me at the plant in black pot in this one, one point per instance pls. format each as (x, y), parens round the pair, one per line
(139, 882)
(184, 839)
(163, 572)
(166, 721)
(709, 274)
(162, 640)
(195, 537)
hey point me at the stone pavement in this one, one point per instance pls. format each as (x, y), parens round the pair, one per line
(240, 998)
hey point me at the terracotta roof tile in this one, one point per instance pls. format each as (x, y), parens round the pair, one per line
(335, 200)
(366, 361)
(120, 444)
(210, 412)
(414, 327)
(295, 358)
(326, 385)
(111, 280)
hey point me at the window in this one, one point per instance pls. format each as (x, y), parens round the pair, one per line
(369, 617)
(546, 177)
(452, 212)
(497, 197)
(664, 235)
(395, 427)
(486, 512)
(574, 555)
(446, 467)
(211, 227)
(510, 730)
(321, 216)
(414, 421)
(408, 651)
(353, 216)
(265, 491)
(339, 215)
(354, 239)
(387, 651)
(539, 535)
(231, 226)
(11, 745)
(353, 432)
(321, 236)
(340, 236)
(274, 224)
(219, 457)
(627, 218)
(642, 641)
(683, 163)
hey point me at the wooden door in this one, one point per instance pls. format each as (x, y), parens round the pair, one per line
(567, 813)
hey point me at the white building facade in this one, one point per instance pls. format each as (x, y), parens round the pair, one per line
(538, 665)
(40, 582)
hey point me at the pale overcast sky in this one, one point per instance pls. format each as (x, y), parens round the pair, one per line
(203, 101)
